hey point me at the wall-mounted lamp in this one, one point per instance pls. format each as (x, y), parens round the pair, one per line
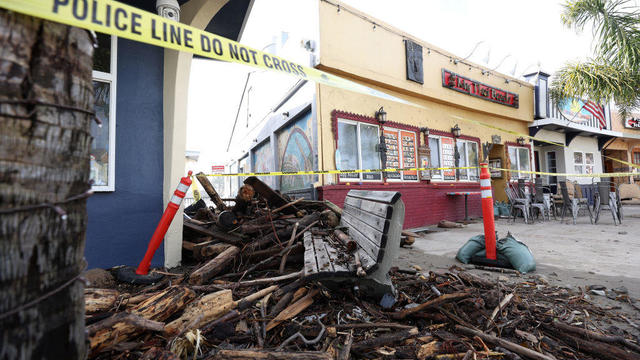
(425, 131)
(381, 115)
(520, 140)
(455, 131)
(286, 113)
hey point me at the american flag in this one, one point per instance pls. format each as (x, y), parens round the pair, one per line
(597, 111)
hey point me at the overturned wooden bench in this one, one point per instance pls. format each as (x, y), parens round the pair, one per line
(373, 219)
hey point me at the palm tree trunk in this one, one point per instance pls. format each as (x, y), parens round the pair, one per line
(44, 158)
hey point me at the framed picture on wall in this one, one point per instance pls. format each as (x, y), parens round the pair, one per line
(495, 163)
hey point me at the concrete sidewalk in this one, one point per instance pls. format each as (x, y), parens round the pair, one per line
(577, 255)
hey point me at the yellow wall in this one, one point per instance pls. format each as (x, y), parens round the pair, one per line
(350, 47)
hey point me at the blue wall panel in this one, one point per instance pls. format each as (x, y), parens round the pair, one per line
(122, 222)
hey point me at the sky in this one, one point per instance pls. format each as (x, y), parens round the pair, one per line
(527, 33)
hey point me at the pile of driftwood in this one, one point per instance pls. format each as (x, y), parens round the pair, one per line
(244, 297)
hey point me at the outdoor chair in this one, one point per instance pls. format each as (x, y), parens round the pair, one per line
(522, 188)
(539, 201)
(574, 204)
(581, 193)
(517, 203)
(605, 197)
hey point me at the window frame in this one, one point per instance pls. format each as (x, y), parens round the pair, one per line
(401, 153)
(439, 176)
(110, 78)
(466, 155)
(633, 157)
(584, 164)
(519, 175)
(548, 169)
(360, 177)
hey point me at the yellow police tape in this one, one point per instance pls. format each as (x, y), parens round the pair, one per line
(535, 138)
(115, 18)
(324, 172)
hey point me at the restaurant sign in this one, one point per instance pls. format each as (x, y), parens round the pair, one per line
(465, 85)
(632, 123)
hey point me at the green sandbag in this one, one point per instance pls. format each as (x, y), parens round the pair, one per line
(509, 251)
(469, 249)
(518, 254)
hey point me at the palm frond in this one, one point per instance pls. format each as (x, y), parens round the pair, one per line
(616, 27)
(596, 81)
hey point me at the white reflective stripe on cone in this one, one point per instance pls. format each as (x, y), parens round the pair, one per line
(176, 199)
(182, 187)
(485, 182)
(486, 194)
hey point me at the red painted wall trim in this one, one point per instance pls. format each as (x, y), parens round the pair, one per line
(450, 135)
(335, 114)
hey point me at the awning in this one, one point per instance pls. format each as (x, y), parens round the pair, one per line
(572, 130)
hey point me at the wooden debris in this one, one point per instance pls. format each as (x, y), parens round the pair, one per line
(156, 353)
(157, 308)
(431, 303)
(292, 310)
(99, 300)
(211, 191)
(436, 314)
(263, 354)
(520, 350)
(214, 266)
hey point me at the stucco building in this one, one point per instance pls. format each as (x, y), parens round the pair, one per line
(321, 127)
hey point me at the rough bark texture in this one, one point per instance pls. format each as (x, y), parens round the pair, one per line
(44, 158)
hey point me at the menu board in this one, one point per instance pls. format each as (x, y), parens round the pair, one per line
(448, 158)
(401, 153)
(409, 155)
(393, 154)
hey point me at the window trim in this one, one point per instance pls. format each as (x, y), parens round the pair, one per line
(439, 176)
(360, 177)
(584, 162)
(110, 78)
(528, 148)
(633, 156)
(467, 159)
(547, 169)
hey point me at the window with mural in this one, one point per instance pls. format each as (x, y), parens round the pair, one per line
(102, 155)
(296, 153)
(519, 159)
(357, 144)
(262, 161)
(401, 153)
(583, 162)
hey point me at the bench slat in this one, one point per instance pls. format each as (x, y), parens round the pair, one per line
(338, 268)
(387, 197)
(370, 243)
(368, 218)
(368, 264)
(376, 208)
(310, 263)
(322, 256)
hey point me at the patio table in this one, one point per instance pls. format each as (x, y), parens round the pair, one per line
(466, 195)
